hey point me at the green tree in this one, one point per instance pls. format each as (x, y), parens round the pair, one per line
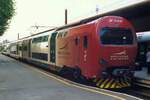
(6, 13)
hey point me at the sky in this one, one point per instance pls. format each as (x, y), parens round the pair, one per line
(50, 13)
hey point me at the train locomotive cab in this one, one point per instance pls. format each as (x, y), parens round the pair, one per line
(117, 46)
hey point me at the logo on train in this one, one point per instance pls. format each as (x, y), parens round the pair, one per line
(119, 56)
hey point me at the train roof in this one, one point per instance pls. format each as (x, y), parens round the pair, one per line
(59, 28)
(48, 32)
(52, 29)
(83, 21)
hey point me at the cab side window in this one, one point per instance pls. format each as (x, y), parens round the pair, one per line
(76, 40)
(85, 42)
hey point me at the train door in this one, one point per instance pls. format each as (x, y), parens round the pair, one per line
(29, 48)
(84, 50)
(20, 49)
(16, 45)
(53, 47)
(77, 51)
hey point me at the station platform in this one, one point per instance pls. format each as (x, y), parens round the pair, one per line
(19, 82)
(142, 74)
(142, 77)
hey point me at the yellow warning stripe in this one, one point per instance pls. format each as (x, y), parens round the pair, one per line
(126, 85)
(119, 84)
(99, 82)
(109, 84)
(122, 83)
(127, 82)
(103, 84)
(113, 85)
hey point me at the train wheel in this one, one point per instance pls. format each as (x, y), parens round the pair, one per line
(79, 77)
(77, 73)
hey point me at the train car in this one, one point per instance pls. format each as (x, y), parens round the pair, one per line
(40, 49)
(90, 49)
(5, 48)
(143, 45)
(19, 43)
(103, 47)
(14, 50)
(26, 49)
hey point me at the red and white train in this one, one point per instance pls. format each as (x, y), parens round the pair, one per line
(106, 46)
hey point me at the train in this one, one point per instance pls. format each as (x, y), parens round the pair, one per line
(143, 46)
(93, 49)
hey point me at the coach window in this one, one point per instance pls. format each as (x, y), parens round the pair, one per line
(59, 35)
(35, 40)
(85, 42)
(76, 40)
(65, 34)
(40, 39)
(45, 38)
(32, 40)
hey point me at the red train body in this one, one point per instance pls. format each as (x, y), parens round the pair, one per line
(105, 46)
(94, 49)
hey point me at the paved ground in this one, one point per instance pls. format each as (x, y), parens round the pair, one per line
(18, 82)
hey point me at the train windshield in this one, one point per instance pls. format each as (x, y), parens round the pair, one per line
(116, 36)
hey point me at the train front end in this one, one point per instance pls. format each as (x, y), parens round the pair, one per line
(117, 47)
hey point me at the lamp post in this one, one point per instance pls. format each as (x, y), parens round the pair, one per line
(66, 16)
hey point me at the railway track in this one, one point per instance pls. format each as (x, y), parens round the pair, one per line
(142, 82)
(140, 88)
(137, 91)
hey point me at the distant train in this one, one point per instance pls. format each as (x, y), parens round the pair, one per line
(143, 46)
(104, 47)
